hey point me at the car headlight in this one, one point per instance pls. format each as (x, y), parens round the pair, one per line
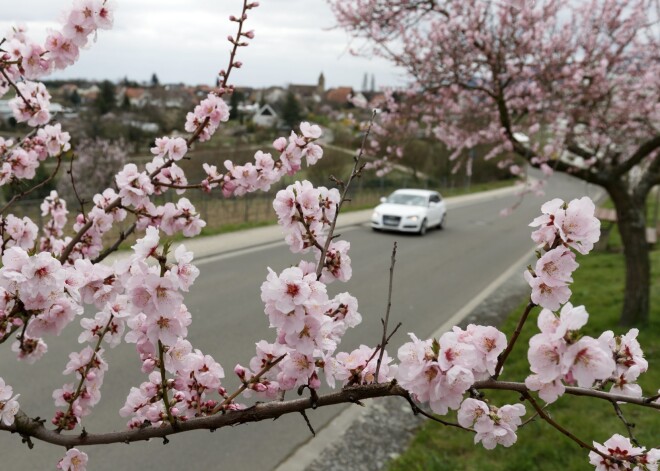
(412, 218)
(375, 215)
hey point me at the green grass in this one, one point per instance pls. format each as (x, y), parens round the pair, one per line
(599, 286)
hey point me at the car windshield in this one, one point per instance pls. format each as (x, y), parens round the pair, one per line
(407, 199)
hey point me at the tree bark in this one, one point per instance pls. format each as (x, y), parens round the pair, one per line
(631, 222)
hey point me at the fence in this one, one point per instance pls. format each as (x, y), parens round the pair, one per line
(223, 214)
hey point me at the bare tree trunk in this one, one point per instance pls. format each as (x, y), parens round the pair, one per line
(631, 221)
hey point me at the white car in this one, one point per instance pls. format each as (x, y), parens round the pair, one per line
(410, 211)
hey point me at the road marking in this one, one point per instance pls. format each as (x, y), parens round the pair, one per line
(305, 454)
(256, 248)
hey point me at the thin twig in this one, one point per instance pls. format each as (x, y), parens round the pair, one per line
(629, 426)
(505, 354)
(84, 374)
(163, 385)
(383, 342)
(16, 89)
(354, 173)
(75, 191)
(356, 375)
(653, 398)
(418, 410)
(122, 237)
(309, 424)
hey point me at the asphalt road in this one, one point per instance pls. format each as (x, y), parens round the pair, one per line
(435, 276)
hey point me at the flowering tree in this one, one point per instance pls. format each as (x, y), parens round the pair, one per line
(568, 86)
(55, 281)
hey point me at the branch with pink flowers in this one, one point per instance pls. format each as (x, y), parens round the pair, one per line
(34, 428)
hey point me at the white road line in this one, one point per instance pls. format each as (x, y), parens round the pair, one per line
(256, 248)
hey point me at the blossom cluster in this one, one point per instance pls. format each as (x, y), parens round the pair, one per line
(158, 323)
(562, 226)
(441, 371)
(624, 456)
(22, 159)
(265, 171)
(309, 326)
(31, 60)
(559, 353)
(39, 293)
(493, 425)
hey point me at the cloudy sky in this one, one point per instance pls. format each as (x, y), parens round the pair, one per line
(185, 41)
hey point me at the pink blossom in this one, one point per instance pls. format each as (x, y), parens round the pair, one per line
(556, 267)
(618, 447)
(549, 297)
(577, 225)
(549, 392)
(588, 362)
(63, 52)
(8, 405)
(310, 131)
(148, 245)
(29, 349)
(287, 290)
(74, 460)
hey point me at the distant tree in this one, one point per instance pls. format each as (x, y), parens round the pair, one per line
(126, 102)
(364, 82)
(291, 113)
(74, 98)
(106, 99)
(154, 80)
(234, 102)
(373, 83)
(126, 82)
(568, 86)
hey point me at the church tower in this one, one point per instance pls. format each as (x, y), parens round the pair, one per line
(321, 84)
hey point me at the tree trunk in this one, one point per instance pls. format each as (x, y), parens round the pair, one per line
(631, 221)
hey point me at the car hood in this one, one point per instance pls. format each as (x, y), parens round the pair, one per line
(400, 209)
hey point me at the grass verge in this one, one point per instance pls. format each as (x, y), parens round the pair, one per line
(599, 286)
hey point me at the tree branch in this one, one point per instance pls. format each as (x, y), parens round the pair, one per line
(28, 427)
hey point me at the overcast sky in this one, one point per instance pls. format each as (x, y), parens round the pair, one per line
(185, 41)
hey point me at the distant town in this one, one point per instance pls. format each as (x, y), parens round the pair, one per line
(147, 106)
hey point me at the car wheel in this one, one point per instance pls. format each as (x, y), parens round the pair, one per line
(422, 228)
(441, 226)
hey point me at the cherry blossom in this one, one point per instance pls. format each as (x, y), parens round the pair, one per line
(494, 426)
(620, 448)
(8, 404)
(74, 460)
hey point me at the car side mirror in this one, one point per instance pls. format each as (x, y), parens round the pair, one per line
(383, 199)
